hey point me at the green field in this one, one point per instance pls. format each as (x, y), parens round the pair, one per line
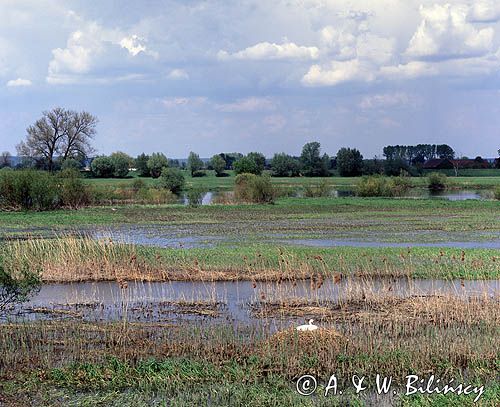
(212, 183)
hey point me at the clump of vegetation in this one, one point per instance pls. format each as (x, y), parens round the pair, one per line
(376, 185)
(72, 190)
(172, 179)
(320, 190)
(496, 193)
(437, 181)
(195, 196)
(17, 285)
(254, 188)
(28, 189)
(102, 167)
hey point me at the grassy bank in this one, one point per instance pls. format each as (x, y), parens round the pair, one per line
(73, 259)
(79, 363)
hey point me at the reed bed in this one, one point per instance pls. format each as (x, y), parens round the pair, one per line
(68, 258)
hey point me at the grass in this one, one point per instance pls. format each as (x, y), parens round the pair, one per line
(70, 258)
(321, 217)
(474, 179)
(81, 363)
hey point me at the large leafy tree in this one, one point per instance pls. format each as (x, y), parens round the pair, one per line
(156, 163)
(349, 162)
(141, 165)
(218, 164)
(59, 133)
(194, 163)
(313, 164)
(284, 165)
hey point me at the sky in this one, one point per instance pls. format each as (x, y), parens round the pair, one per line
(256, 75)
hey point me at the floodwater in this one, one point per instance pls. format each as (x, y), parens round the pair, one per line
(230, 301)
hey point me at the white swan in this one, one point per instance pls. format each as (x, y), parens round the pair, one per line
(308, 327)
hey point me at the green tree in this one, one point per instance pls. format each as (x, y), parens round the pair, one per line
(172, 179)
(218, 164)
(71, 164)
(102, 167)
(141, 165)
(246, 165)
(349, 162)
(284, 165)
(156, 163)
(121, 163)
(194, 163)
(313, 164)
(17, 286)
(260, 161)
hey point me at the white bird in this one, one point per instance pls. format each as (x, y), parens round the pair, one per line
(308, 327)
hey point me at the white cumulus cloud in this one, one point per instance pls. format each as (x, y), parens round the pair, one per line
(19, 82)
(445, 32)
(271, 51)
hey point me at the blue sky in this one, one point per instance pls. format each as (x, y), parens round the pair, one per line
(212, 76)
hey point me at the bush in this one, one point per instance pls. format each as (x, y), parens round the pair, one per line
(284, 165)
(373, 185)
(195, 196)
(17, 286)
(399, 186)
(254, 188)
(496, 193)
(320, 190)
(28, 189)
(138, 184)
(71, 164)
(102, 167)
(172, 179)
(73, 192)
(437, 181)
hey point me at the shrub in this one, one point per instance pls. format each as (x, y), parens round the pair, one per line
(373, 185)
(172, 179)
(102, 167)
(156, 163)
(195, 196)
(73, 192)
(437, 181)
(496, 193)
(16, 286)
(314, 191)
(254, 188)
(399, 186)
(138, 184)
(71, 164)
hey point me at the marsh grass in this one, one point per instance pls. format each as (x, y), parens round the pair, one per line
(449, 336)
(68, 258)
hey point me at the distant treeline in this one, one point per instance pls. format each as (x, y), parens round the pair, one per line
(62, 139)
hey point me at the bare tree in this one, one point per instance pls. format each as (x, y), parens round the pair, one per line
(81, 130)
(59, 133)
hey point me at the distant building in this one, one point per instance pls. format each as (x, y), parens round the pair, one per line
(446, 164)
(438, 164)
